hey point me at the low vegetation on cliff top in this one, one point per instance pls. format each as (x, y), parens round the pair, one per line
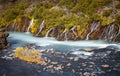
(65, 13)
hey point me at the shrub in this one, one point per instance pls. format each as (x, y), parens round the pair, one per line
(30, 55)
(117, 20)
(117, 6)
(107, 13)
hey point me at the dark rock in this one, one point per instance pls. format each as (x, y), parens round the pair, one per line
(3, 38)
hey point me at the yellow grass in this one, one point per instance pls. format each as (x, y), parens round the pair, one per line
(30, 55)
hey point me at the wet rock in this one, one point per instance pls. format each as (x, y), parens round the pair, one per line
(7, 57)
(80, 73)
(105, 66)
(73, 70)
(115, 69)
(71, 58)
(41, 51)
(93, 75)
(69, 64)
(84, 64)
(81, 69)
(59, 67)
(3, 39)
(51, 70)
(54, 63)
(45, 59)
(92, 63)
(89, 50)
(58, 53)
(49, 60)
(11, 55)
(86, 74)
(50, 66)
(62, 56)
(91, 66)
(52, 51)
(76, 58)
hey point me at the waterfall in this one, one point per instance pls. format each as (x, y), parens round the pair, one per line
(64, 32)
(118, 33)
(31, 22)
(73, 30)
(41, 27)
(13, 26)
(49, 32)
(93, 27)
(109, 33)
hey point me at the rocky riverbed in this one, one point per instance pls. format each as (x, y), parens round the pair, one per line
(102, 62)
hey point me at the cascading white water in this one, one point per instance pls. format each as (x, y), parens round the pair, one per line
(31, 22)
(109, 33)
(93, 27)
(41, 27)
(64, 33)
(49, 32)
(73, 30)
(117, 34)
(13, 26)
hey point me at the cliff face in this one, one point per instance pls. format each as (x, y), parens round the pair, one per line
(3, 39)
(93, 31)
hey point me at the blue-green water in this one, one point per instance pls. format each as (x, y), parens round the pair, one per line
(18, 39)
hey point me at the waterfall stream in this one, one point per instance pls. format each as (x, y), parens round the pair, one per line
(31, 22)
(41, 27)
(109, 33)
(117, 35)
(64, 33)
(93, 27)
(49, 32)
(73, 30)
(13, 26)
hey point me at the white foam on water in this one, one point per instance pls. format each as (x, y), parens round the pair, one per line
(82, 53)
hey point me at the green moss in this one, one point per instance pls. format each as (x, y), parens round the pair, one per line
(68, 3)
(117, 6)
(117, 19)
(107, 12)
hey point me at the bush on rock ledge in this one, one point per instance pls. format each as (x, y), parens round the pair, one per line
(30, 55)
